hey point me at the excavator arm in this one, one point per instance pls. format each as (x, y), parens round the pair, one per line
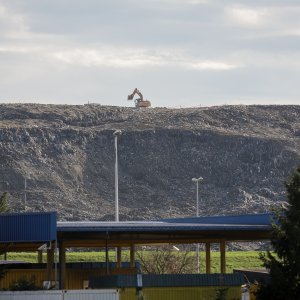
(139, 102)
(136, 91)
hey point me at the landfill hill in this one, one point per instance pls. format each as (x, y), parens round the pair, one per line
(66, 155)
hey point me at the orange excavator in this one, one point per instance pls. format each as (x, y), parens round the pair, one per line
(139, 102)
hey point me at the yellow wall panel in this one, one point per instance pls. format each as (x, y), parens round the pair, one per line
(74, 277)
(181, 293)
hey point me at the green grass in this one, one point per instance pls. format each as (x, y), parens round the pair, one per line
(234, 259)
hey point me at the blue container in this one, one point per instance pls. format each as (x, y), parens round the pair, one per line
(28, 227)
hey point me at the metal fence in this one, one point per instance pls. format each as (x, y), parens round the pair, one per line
(61, 295)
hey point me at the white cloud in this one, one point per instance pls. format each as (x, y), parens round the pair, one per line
(247, 16)
(108, 58)
(14, 49)
(133, 58)
(196, 2)
(183, 2)
(11, 23)
(233, 46)
(213, 65)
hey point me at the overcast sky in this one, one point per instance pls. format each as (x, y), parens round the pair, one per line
(177, 52)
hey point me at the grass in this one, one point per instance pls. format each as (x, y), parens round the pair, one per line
(234, 259)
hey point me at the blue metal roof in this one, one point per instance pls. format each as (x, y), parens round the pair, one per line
(28, 227)
(216, 223)
(251, 219)
(41, 227)
(152, 226)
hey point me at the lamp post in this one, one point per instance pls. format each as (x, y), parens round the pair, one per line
(197, 180)
(25, 193)
(116, 134)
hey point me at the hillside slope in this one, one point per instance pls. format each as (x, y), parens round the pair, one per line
(66, 153)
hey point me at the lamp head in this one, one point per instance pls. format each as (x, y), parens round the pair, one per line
(197, 179)
(117, 132)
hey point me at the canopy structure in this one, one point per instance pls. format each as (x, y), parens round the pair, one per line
(180, 231)
(207, 230)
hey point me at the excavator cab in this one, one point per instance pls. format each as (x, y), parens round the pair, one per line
(139, 102)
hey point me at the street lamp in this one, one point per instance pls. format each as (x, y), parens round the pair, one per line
(197, 180)
(116, 134)
(25, 193)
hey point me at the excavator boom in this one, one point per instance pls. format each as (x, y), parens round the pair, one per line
(139, 102)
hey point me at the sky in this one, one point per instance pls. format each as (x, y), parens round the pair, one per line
(178, 53)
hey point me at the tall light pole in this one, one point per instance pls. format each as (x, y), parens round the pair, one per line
(25, 193)
(197, 180)
(116, 134)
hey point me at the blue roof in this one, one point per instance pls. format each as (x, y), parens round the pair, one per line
(28, 227)
(252, 219)
(42, 227)
(216, 223)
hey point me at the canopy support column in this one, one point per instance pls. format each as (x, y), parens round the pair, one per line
(62, 265)
(207, 258)
(40, 256)
(132, 254)
(119, 257)
(50, 261)
(223, 257)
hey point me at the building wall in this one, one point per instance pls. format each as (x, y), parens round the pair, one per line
(181, 293)
(61, 295)
(74, 277)
(11, 276)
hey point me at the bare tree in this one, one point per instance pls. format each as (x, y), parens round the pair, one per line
(4, 208)
(166, 260)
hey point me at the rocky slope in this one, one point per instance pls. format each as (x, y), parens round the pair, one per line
(66, 153)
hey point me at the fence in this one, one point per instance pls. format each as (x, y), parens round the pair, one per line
(61, 295)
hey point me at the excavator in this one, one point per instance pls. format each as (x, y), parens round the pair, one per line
(139, 102)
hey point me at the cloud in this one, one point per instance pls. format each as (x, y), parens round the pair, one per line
(194, 48)
(247, 16)
(214, 66)
(108, 57)
(133, 58)
(272, 21)
(11, 23)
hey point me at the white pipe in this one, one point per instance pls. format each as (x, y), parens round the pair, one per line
(116, 181)
(25, 196)
(197, 215)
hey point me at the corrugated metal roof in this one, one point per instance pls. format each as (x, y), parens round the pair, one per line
(39, 227)
(167, 280)
(251, 219)
(28, 227)
(238, 222)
